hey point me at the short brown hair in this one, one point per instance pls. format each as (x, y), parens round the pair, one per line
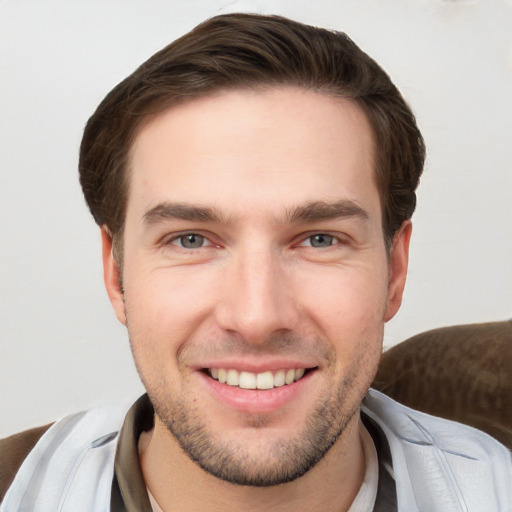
(247, 50)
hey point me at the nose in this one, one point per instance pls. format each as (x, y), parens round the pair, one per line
(257, 299)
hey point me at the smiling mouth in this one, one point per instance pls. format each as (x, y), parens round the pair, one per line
(264, 380)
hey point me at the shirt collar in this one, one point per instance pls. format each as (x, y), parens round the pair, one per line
(129, 489)
(129, 492)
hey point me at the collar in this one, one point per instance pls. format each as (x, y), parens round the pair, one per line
(128, 488)
(129, 492)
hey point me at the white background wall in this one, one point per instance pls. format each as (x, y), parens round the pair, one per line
(61, 349)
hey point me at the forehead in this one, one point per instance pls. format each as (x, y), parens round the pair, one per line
(246, 148)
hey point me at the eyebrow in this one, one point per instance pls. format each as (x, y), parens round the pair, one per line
(321, 210)
(311, 212)
(180, 211)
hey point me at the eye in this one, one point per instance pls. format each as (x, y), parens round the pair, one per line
(190, 241)
(319, 240)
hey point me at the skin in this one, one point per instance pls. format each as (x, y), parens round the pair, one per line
(258, 292)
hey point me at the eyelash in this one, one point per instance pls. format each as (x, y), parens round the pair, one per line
(334, 240)
(176, 238)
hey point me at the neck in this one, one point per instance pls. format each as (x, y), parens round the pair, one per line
(179, 485)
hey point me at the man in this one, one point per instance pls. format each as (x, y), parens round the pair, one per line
(254, 183)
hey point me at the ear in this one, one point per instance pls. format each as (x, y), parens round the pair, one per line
(398, 262)
(111, 276)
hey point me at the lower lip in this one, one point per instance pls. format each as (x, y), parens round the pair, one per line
(256, 400)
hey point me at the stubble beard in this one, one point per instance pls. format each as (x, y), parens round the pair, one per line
(278, 461)
(275, 461)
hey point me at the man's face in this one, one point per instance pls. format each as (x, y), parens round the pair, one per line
(253, 252)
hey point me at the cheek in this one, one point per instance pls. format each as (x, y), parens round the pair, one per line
(166, 301)
(350, 298)
(165, 309)
(348, 310)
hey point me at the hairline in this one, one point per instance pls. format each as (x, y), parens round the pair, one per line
(167, 103)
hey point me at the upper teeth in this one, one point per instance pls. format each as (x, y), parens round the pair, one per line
(249, 380)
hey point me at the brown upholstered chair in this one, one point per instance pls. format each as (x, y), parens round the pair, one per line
(463, 373)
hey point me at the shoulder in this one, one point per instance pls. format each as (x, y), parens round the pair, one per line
(441, 463)
(13, 451)
(418, 427)
(76, 451)
(55, 451)
(460, 372)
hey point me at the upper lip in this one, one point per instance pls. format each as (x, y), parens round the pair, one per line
(255, 366)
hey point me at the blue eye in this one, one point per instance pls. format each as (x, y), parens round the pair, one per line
(321, 240)
(190, 241)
